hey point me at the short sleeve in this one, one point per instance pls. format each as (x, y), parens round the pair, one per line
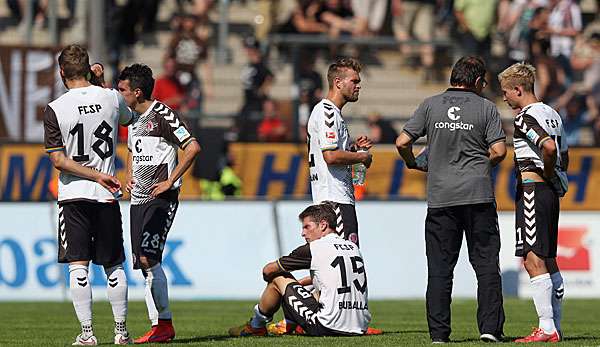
(416, 125)
(493, 128)
(172, 126)
(125, 113)
(129, 138)
(327, 128)
(299, 259)
(529, 128)
(52, 136)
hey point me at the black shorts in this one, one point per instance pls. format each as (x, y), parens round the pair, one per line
(150, 224)
(90, 231)
(301, 307)
(536, 222)
(347, 223)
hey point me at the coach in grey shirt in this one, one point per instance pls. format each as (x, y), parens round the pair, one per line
(465, 140)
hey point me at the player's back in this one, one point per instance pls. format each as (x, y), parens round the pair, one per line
(88, 119)
(338, 273)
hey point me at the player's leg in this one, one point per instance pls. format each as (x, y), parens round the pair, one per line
(534, 223)
(347, 223)
(483, 241)
(153, 219)
(111, 255)
(558, 288)
(74, 248)
(443, 238)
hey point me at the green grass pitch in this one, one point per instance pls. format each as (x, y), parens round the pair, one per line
(200, 323)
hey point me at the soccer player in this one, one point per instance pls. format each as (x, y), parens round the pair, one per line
(465, 140)
(339, 306)
(80, 136)
(330, 153)
(154, 179)
(541, 157)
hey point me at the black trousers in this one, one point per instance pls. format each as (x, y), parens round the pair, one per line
(444, 229)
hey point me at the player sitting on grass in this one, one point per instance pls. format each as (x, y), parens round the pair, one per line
(339, 305)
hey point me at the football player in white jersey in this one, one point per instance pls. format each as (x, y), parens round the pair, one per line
(339, 305)
(541, 158)
(330, 152)
(154, 178)
(80, 129)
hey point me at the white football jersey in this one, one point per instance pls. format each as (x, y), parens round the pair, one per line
(533, 125)
(154, 138)
(338, 274)
(327, 131)
(84, 123)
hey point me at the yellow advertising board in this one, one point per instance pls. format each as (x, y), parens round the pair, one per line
(276, 171)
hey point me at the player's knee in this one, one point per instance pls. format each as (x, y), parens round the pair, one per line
(146, 263)
(534, 264)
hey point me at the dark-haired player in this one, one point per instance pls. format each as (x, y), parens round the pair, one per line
(154, 179)
(339, 306)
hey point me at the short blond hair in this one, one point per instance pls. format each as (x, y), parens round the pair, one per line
(518, 74)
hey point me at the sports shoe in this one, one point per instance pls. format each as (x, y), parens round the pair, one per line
(282, 327)
(82, 340)
(538, 335)
(490, 338)
(439, 340)
(163, 332)
(247, 330)
(373, 331)
(123, 339)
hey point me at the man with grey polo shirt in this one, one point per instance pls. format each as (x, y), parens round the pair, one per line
(465, 140)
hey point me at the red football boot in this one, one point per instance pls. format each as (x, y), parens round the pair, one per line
(163, 332)
(538, 335)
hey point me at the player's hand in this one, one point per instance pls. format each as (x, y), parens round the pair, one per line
(368, 159)
(98, 71)
(363, 142)
(109, 182)
(160, 188)
(130, 184)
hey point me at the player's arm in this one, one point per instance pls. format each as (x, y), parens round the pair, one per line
(497, 152)
(341, 157)
(191, 150)
(549, 157)
(494, 135)
(299, 259)
(130, 182)
(404, 146)
(66, 164)
(175, 131)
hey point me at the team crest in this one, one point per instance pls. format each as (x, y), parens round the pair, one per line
(149, 126)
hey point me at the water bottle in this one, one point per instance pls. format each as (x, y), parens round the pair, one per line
(359, 172)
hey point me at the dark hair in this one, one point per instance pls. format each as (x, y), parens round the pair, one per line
(466, 71)
(75, 62)
(139, 76)
(320, 212)
(336, 69)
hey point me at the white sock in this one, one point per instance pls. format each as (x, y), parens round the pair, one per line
(259, 320)
(152, 312)
(557, 297)
(542, 298)
(81, 294)
(157, 282)
(116, 290)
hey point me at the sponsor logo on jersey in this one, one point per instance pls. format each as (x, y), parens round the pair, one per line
(532, 135)
(330, 135)
(452, 113)
(181, 133)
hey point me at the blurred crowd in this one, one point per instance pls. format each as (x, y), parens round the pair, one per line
(560, 37)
